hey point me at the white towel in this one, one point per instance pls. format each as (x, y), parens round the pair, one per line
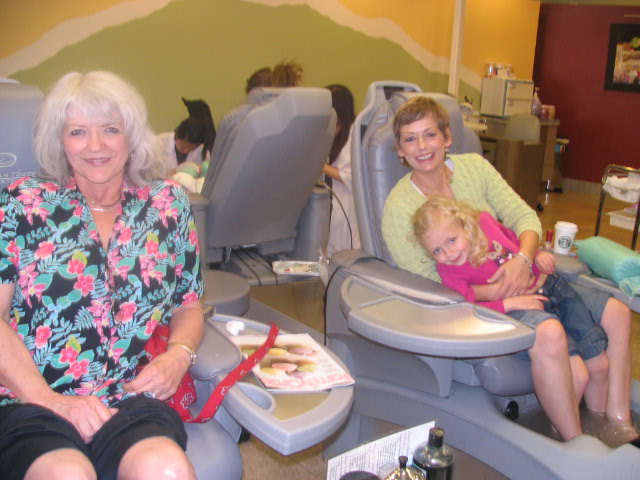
(626, 189)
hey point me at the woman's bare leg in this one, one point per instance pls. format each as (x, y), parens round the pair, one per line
(157, 458)
(616, 322)
(552, 378)
(62, 464)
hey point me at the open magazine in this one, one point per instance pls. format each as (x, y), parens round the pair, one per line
(296, 362)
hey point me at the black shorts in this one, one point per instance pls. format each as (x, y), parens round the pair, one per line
(28, 431)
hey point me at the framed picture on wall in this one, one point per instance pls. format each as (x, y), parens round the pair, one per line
(623, 61)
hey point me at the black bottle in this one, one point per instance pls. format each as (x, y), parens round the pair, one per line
(434, 457)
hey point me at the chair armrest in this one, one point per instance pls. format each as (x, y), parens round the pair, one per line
(395, 279)
(216, 355)
(199, 205)
(569, 267)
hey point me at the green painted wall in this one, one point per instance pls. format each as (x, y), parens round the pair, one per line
(206, 49)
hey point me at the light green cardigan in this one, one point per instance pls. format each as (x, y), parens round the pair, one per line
(476, 183)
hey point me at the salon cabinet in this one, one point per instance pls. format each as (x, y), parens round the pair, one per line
(519, 163)
(549, 177)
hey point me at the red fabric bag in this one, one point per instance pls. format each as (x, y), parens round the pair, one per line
(185, 395)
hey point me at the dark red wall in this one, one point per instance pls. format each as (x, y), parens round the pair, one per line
(603, 126)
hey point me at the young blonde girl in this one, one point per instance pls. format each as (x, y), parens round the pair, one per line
(469, 246)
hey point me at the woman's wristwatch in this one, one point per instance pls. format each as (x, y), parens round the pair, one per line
(191, 351)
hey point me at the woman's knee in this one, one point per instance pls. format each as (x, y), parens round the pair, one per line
(550, 339)
(158, 458)
(616, 318)
(61, 464)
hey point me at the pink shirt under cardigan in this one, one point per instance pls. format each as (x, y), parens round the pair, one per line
(503, 245)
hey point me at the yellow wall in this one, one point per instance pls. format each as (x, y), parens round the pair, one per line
(428, 22)
(489, 24)
(22, 22)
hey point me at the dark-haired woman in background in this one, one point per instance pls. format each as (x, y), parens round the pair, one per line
(185, 144)
(343, 233)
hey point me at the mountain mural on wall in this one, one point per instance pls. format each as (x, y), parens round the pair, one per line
(206, 49)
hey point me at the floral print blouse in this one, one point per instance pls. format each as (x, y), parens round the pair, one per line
(85, 314)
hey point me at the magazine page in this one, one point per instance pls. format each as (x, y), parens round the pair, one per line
(296, 362)
(370, 457)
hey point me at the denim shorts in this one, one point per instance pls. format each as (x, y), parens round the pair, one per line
(579, 309)
(28, 431)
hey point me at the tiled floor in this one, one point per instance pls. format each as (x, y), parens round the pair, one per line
(304, 301)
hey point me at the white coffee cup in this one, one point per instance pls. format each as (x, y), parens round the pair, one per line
(564, 236)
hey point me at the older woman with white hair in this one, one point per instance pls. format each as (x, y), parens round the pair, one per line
(96, 251)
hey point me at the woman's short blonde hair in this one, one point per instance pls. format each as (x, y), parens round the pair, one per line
(440, 209)
(96, 94)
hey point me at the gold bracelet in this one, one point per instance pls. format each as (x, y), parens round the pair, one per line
(191, 351)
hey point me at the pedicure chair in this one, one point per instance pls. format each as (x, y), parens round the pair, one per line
(419, 352)
(260, 198)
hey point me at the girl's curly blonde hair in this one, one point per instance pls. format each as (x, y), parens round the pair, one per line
(440, 209)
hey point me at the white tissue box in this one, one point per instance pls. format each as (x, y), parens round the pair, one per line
(622, 219)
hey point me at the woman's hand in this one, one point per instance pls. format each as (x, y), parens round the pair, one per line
(524, 302)
(162, 375)
(545, 261)
(513, 277)
(85, 412)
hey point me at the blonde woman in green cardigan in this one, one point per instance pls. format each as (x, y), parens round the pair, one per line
(423, 137)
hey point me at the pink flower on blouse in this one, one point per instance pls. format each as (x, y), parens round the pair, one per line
(17, 183)
(13, 247)
(193, 237)
(190, 298)
(151, 246)
(150, 327)
(49, 186)
(125, 236)
(68, 355)
(30, 196)
(95, 236)
(85, 284)
(75, 266)
(45, 250)
(1, 215)
(99, 308)
(143, 194)
(43, 333)
(125, 314)
(77, 369)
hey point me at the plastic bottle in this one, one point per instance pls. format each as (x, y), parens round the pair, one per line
(434, 457)
(536, 104)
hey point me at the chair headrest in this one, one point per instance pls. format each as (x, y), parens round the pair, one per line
(18, 107)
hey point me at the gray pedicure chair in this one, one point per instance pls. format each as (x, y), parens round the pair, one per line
(419, 352)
